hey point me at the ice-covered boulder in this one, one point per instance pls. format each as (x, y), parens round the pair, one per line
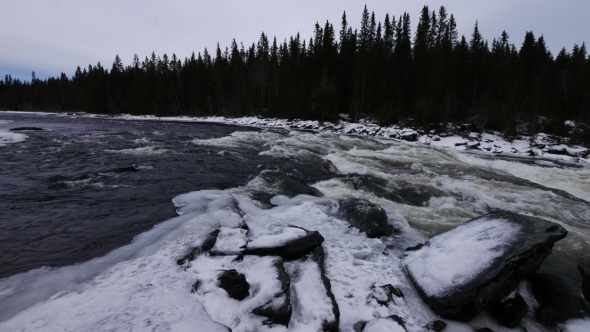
(463, 271)
(293, 242)
(365, 216)
(584, 268)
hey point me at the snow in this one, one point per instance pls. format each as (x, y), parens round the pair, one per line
(576, 325)
(383, 325)
(313, 306)
(456, 257)
(269, 241)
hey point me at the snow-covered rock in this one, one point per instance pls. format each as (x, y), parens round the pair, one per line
(278, 309)
(293, 242)
(365, 216)
(314, 302)
(463, 271)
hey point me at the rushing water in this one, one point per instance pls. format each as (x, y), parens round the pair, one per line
(82, 187)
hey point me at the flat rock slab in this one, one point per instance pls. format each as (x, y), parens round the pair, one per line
(461, 272)
(278, 308)
(314, 303)
(293, 242)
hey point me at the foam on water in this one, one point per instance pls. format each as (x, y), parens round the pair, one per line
(145, 150)
(570, 180)
(9, 137)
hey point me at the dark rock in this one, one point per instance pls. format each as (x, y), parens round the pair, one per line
(412, 195)
(461, 144)
(436, 326)
(196, 286)
(558, 299)
(409, 136)
(384, 295)
(473, 146)
(510, 311)
(520, 256)
(318, 256)
(418, 246)
(26, 129)
(205, 247)
(484, 329)
(365, 216)
(329, 167)
(367, 326)
(288, 184)
(125, 169)
(291, 249)
(278, 310)
(235, 284)
(584, 268)
(562, 151)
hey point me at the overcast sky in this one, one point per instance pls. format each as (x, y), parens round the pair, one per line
(54, 36)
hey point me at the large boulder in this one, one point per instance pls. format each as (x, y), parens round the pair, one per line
(584, 268)
(559, 299)
(294, 242)
(461, 272)
(365, 216)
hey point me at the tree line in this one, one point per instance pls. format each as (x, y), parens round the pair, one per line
(380, 70)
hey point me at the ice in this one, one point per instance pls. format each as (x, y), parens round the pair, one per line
(576, 325)
(147, 293)
(9, 137)
(312, 304)
(260, 273)
(275, 240)
(458, 256)
(383, 325)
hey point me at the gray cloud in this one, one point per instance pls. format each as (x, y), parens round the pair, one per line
(51, 36)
